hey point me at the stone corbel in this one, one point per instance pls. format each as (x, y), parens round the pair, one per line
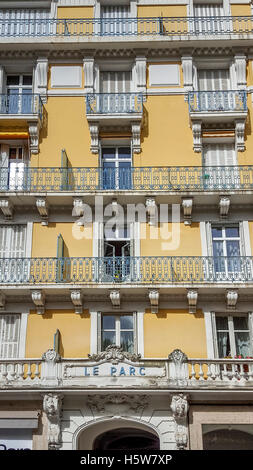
(141, 67)
(240, 66)
(115, 298)
(192, 297)
(179, 407)
(94, 133)
(224, 205)
(34, 136)
(78, 210)
(136, 137)
(43, 209)
(151, 210)
(231, 299)
(7, 209)
(154, 300)
(197, 136)
(187, 205)
(2, 301)
(52, 406)
(41, 75)
(239, 134)
(187, 66)
(77, 300)
(88, 68)
(38, 298)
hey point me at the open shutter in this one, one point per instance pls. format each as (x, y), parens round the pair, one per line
(64, 170)
(60, 259)
(9, 336)
(4, 167)
(222, 156)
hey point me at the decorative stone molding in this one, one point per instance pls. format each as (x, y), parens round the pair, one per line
(231, 299)
(151, 210)
(38, 298)
(187, 205)
(43, 209)
(224, 205)
(187, 66)
(136, 136)
(94, 133)
(192, 297)
(78, 210)
(7, 209)
(239, 134)
(52, 406)
(2, 301)
(240, 66)
(41, 74)
(2, 79)
(77, 300)
(179, 407)
(154, 300)
(34, 137)
(197, 136)
(177, 356)
(114, 354)
(115, 298)
(51, 356)
(141, 68)
(88, 67)
(137, 403)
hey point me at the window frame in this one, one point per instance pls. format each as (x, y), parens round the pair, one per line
(117, 329)
(231, 331)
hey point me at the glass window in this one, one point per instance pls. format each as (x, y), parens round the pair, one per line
(226, 249)
(118, 330)
(116, 164)
(233, 336)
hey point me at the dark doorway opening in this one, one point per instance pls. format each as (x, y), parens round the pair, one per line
(127, 439)
(227, 439)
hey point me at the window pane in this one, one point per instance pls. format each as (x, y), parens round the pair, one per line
(27, 80)
(218, 249)
(222, 323)
(108, 338)
(216, 232)
(233, 248)
(108, 152)
(124, 152)
(108, 322)
(224, 349)
(126, 322)
(127, 341)
(13, 80)
(232, 232)
(241, 323)
(242, 344)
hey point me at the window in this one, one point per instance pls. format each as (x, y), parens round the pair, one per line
(117, 247)
(232, 336)
(9, 335)
(115, 20)
(116, 164)
(212, 80)
(115, 88)
(23, 21)
(19, 93)
(218, 162)
(13, 163)
(119, 330)
(226, 250)
(207, 14)
(12, 241)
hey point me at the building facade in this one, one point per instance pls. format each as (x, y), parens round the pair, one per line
(126, 224)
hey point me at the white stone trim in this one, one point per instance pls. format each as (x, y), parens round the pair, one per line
(140, 333)
(246, 238)
(204, 249)
(209, 335)
(29, 235)
(93, 332)
(22, 335)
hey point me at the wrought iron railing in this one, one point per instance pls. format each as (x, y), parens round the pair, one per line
(217, 101)
(21, 104)
(162, 26)
(114, 103)
(18, 177)
(137, 270)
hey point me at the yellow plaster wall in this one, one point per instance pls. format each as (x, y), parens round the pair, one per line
(45, 240)
(187, 241)
(161, 10)
(240, 10)
(74, 330)
(251, 233)
(66, 127)
(75, 12)
(169, 330)
(162, 141)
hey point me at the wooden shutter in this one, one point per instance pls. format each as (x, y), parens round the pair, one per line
(115, 82)
(26, 26)
(9, 335)
(211, 80)
(219, 155)
(12, 241)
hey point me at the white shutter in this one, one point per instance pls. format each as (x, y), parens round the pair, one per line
(211, 80)
(27, 26)
(12, 241)
(115, 82)
(111, 13)
(219, 155)
(209, 11)
(9, 335)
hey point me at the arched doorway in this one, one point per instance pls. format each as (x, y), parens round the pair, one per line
(126, 439)
(227, 439)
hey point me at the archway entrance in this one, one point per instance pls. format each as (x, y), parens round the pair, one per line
(126, 439)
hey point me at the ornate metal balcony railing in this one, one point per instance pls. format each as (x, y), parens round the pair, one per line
(162, 26)
(114, 103)
(18, 177)
(133, 270)
(21, 104)
(217, 101)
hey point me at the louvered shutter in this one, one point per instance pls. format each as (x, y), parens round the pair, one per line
(222, 156)
(22, 22)
(12, 241)
(114, 20)
(205, 18)
(9, 336)
(211, 80)
(4, 165)
(115, 82)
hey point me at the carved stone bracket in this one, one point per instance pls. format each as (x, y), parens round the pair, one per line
(231, 298)
(136, 136)
(240, 65)
(52, 406)
(197, 136)
(114, 354)
(94, 133)
(141, 66)
(154, 300)
(41, 75)
(88, 67)
(178, 368)
(151, 210)
(187, 66)
(177, 356)
(224, 205)
(187, 205)
(38, 298)
(115, 298)
(7, 209)
(34, 128)
(43, 209)
(77, 300)
(192, 297)
(239, 134)
(136, 403)
(179, 407)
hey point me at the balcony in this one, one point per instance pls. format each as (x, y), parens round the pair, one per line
(235, 26)
(176, 371)
(143, 271)
(23, 110)
(136, 179)
(109, 109)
